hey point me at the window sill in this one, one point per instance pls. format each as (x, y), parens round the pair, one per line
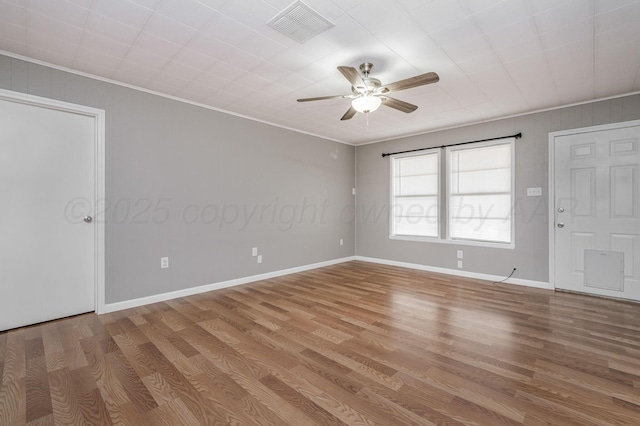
(508, 246)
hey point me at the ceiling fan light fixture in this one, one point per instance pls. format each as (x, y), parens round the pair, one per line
(367, 103)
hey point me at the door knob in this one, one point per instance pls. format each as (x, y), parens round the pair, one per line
(560, 225)
(560, 210)
(88, 219)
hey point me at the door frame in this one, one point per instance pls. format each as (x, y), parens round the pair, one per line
(551, 190)
(98, 116)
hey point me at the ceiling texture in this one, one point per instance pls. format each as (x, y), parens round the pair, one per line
(495, 58)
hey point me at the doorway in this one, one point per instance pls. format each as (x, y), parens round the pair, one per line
(51, 180)
(594, 229)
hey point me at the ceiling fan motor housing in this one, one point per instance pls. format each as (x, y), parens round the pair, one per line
(366, 68)
(372, 84)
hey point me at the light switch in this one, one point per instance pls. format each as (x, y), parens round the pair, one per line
(534, 192)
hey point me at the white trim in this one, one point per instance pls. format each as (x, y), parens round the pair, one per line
(599, 128)
(354, 192)
(127, 304)
(164, 95)
(99, 159)
(457, 272)
(552, 211)
(27, 99)
(100, 224)
(551, 189)
(487, 244)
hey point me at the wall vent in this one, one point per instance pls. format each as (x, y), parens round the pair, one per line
(299, 22)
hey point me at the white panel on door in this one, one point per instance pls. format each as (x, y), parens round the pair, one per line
(626, 243)
(582, 191)
(623, 191)
(580, 241)
(623, 147)
(579, 152)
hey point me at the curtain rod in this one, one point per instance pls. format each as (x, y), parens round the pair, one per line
(517, 136)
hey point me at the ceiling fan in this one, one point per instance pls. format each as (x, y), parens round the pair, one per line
(369, 93)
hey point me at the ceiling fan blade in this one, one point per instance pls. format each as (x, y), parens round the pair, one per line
(399, 105)
(353, 76)
(349, 114)
(408, 83)
(322, 98)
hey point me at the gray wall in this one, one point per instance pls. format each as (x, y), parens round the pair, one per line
(203, 188)
(530, 255)
(231, 184)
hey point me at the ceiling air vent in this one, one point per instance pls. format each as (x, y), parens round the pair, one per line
(299, 22)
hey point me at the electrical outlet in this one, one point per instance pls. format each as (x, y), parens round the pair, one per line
(164, 262)
(341, 242)
(254, 251)
(353, 191)
(459, 254)
(259, 258)
(459, 264)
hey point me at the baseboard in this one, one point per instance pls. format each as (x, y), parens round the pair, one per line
(118, 306)
(133, 303)
(457, 272)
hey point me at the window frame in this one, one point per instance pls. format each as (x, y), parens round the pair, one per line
(447, 196)
(444, 198)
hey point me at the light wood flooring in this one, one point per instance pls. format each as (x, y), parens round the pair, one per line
(355, 343)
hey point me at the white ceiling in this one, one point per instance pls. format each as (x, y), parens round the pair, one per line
(495, 57)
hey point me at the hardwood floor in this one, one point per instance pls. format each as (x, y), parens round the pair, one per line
(355, 343)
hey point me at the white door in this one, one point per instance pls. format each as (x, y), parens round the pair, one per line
(47, 184)
(596, 211)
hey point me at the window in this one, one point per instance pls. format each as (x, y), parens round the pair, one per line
(479, 194)
(415, 194)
